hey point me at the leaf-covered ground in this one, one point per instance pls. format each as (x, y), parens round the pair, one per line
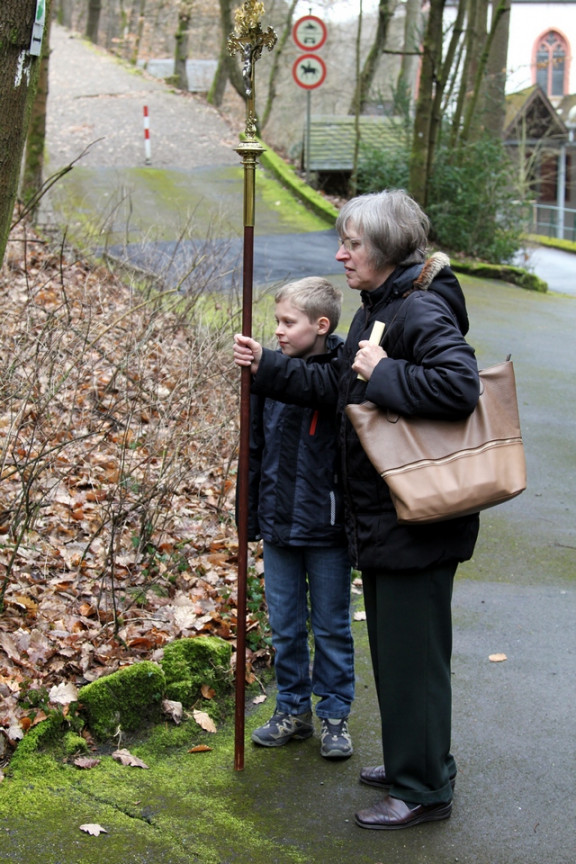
(118, 436)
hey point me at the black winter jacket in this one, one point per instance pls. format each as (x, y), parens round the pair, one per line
(430, 370)
(295, 491)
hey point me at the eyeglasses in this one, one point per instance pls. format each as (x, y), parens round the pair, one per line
(350, 244)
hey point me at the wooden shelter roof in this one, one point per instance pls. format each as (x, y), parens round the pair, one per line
(332, 139)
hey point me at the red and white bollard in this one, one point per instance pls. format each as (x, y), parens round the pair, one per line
(147, 151)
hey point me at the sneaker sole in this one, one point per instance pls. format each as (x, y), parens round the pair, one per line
(298, 736)
(336, 754)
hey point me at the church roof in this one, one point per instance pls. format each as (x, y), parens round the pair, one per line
(530, 116)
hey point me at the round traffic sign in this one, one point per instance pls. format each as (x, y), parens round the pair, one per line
(309, 33)
(309, 71)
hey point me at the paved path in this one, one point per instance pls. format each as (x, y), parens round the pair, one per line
(95, 102)
(556, 267)
(514, 722)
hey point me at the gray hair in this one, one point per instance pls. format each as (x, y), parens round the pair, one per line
(314, 296)
(392, 225)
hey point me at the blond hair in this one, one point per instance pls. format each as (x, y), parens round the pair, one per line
(314, 296)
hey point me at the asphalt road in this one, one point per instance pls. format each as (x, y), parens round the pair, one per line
(514, 721)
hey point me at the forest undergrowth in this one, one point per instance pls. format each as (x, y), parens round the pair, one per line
(119, 424)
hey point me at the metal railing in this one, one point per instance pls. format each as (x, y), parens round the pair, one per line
(551, 221)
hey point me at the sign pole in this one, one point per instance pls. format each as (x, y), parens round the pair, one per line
(249, 39)
(309, 71)
(308, 122)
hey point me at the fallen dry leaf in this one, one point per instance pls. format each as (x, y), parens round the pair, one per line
(497, 658)
(200, 748)
(94, 829)
(141, 429)
(86, 762)
(360, 615)
(126, 758)
(204, 720)
(63, 693)
(259, 699)
(173, 710)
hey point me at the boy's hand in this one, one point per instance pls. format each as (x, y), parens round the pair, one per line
(247, 352)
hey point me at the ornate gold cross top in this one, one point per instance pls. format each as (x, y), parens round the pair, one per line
(249, 39)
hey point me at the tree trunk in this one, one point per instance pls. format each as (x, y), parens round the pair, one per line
(278, 51)
(93, 22)
(412, 40)
(18, 77)
(366, 78)
(495, 87)
(33, 168)
(181, 50)
(476, 111)
(423, 141)
(228, 68)
(353, 183)
(139, 29)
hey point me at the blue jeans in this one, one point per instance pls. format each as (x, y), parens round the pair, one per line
(290, 574)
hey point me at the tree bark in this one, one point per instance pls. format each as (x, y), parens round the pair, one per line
(181, 40)
(370, 67)
(139, 5)
(93, 22)
(33, 170)
(18, 78)
(423, 142)
(477, 109)
(412, 40)
(228, 68)
(495, 87)
(278, 52)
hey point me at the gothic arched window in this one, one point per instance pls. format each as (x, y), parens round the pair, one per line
(551, 63)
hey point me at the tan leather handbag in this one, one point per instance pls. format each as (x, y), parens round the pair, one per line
(441, 469)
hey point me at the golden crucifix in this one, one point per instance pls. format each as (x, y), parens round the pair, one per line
(248, 39)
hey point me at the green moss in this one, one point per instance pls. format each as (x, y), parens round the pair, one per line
(73, 743)
(552, 242)
(123, 699)
(39, 737)
(503, 272)
(190, 663)
(287, 176)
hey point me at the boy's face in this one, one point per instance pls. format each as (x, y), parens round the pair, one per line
(297, 335)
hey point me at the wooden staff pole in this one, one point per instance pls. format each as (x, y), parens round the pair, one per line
(249, 39)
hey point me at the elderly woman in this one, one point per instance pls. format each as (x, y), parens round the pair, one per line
(423, 366)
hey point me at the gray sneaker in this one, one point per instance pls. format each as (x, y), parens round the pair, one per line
(282, 727)
(336, 742)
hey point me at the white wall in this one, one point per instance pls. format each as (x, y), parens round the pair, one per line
(529, 21)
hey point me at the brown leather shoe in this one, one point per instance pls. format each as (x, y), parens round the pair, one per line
(377, 777)
(392, 813)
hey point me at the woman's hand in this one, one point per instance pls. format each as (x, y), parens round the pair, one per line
(247, 352)
(367, 358)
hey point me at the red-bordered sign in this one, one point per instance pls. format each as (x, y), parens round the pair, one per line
(309, 71)
(309, 33)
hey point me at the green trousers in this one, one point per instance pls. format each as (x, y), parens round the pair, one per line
(409, 621)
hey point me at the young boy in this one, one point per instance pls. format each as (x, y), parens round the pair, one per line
(296, 508)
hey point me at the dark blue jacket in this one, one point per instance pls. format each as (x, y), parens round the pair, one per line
(295, 492)
(430, 370)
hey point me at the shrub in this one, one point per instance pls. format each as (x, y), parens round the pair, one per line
(474, 205)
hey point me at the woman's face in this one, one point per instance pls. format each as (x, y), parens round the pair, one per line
(354, 254)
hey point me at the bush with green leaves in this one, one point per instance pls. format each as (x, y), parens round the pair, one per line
(383, 169)
(474, 204)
